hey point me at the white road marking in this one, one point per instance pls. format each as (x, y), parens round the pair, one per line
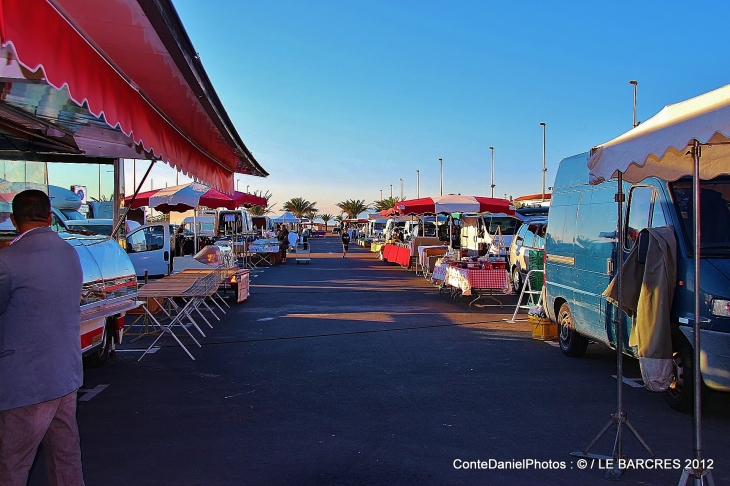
(554, 344)
(89, 394)
(632, 382)
(151, 351)
(265, 319)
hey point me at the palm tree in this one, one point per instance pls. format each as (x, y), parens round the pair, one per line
(353, 207)
(299, 206)
(326, 218)
(387, 203)
(312, 214)
(261, 210)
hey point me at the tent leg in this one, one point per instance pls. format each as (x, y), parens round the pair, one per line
(699, 474)
(620, 418)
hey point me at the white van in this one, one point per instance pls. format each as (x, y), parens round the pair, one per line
(234, 222)
(376, 227)
(205, 225)
(488, 233)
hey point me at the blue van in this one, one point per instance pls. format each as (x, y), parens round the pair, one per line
(580, 251)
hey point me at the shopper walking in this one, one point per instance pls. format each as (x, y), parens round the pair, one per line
(40, 360)
(345, 237)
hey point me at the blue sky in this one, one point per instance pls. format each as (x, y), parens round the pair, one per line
(338, 100)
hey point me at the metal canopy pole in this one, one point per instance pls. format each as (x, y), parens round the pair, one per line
(121, 219)
(699, 474)
(619, 419)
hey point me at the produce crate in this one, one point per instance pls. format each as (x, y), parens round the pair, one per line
(543, 328)
(535, 262)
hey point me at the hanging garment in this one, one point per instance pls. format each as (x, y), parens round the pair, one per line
(648, 284)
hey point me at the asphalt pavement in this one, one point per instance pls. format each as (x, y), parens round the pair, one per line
(355, 371)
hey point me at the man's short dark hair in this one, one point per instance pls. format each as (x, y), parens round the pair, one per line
(31, 205)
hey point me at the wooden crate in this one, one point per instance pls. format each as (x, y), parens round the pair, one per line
(543, 328)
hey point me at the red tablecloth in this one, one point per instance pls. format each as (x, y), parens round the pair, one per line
(467, 279)
(397, 254)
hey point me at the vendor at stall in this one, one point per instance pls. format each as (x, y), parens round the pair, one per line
(283, 238)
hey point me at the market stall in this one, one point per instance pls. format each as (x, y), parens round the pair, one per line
(408, 254)
(482, 278)
(264, 251)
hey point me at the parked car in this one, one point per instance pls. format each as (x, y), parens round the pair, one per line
(336, 230)
(527, 242)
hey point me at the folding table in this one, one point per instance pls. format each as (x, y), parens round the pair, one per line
(193, 286)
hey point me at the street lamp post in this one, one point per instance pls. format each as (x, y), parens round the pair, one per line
(381, 194)
(401, 188)
(238, 187)
(544, 169)
(636, 84)
(492, 149)
(391, 191)
(247, 186)
(418, 183)
(441, 161)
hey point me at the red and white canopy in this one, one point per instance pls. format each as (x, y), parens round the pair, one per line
(189, 196)
(455, 203)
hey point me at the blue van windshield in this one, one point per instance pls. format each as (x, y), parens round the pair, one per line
(714, 215)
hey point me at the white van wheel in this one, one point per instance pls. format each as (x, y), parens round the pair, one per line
(516, 280)
(571, 342)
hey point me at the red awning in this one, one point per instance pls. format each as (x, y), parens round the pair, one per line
(130, 62)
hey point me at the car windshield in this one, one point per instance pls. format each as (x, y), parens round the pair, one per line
(714, 215)
(97, 229)
(507, 225)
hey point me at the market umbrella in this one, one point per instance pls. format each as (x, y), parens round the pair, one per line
(455, 203)
(687, 138)
(189, 196)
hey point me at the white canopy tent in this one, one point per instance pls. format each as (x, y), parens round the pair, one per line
(661, 146)
(687, 138)
(286, 218)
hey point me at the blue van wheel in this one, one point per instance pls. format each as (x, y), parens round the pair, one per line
(680, 394)
(571, 342)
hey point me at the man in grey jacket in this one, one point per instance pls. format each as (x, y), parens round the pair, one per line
(40, 367)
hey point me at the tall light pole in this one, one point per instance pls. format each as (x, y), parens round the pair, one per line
(418, 183)
(636, 84)
(441, 161)
(238, 185)
(401, 188)
(247, 186)
(381, 194)
(492, 149)
(391, 191)
(544, 169)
